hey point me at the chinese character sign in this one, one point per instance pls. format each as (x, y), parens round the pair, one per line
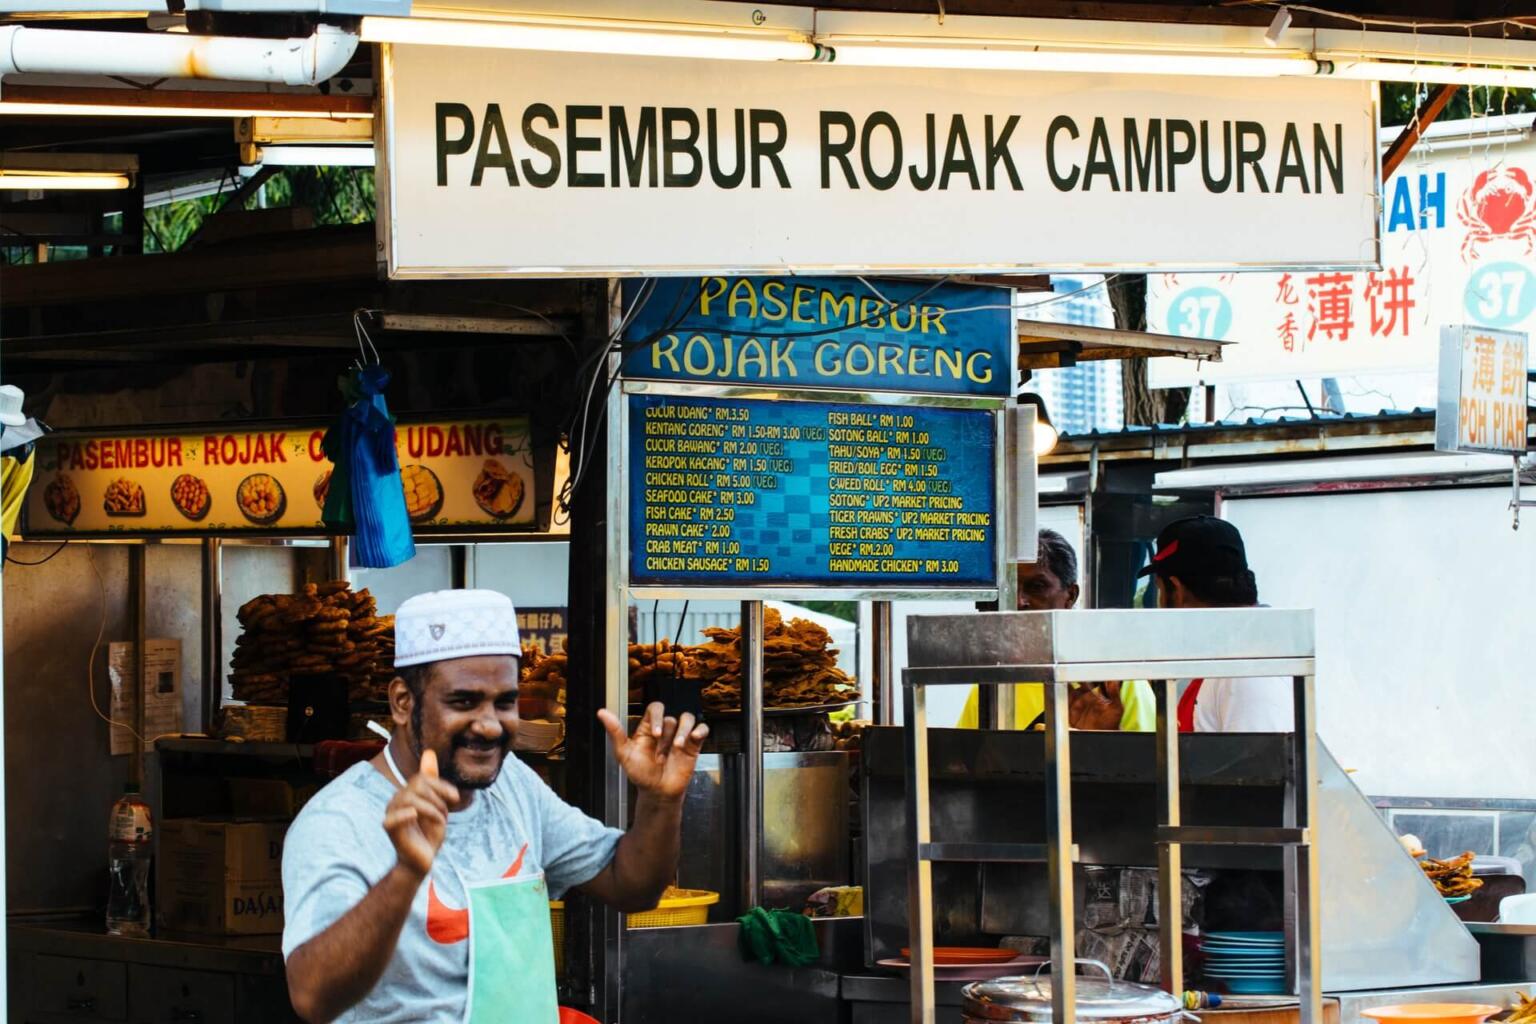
(1458, 244)
(1482, 405)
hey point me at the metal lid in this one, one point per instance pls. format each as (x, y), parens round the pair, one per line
(1098, 999)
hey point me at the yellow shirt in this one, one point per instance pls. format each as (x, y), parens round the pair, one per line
(1140, 714)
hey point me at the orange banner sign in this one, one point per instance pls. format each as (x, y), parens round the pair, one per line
(462, 473)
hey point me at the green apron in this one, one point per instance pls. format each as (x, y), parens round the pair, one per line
(511, 953)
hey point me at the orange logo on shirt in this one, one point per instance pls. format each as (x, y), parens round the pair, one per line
(445, 925)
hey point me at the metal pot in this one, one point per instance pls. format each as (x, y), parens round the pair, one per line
(1099, 1000)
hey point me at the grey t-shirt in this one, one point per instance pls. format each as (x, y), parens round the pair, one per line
(337, 850)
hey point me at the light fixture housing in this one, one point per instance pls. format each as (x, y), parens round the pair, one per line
(616, 38)
(1046, 434)
(48, 172)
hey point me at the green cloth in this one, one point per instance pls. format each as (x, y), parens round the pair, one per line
(778, 935)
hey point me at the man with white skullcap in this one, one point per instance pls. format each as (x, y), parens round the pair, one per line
(416, 886)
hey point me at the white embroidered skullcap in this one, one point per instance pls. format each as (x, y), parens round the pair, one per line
(448, 624)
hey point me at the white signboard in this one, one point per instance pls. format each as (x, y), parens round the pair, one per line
(1458, 233)
(501, 163)
(1482, 391)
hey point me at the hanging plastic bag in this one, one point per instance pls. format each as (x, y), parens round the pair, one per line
(361, 446)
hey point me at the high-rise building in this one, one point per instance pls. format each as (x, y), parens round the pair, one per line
(1087, 396)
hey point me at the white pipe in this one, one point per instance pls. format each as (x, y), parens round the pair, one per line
(300, 61)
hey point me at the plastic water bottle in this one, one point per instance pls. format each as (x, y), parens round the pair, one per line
(130, 849)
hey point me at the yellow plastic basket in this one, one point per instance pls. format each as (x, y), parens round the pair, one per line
(686, 907)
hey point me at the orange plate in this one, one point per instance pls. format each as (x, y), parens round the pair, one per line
(1434, 1013)
(951, 956)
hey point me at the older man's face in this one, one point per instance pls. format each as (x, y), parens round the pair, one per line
(1040, 590)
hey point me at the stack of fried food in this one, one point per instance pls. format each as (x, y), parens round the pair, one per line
(1452, 877)
(1524, 1012)
(542, 677)
(799, 666)
(325, 629)
(662, 658)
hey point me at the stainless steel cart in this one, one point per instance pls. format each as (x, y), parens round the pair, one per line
(1059, 648)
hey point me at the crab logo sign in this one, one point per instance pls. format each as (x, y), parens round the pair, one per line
(1498, 206)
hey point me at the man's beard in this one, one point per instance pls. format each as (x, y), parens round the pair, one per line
(447, 768)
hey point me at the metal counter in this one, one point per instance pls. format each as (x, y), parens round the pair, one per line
(1383, 924)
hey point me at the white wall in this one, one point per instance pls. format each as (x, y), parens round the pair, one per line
(1426, 613)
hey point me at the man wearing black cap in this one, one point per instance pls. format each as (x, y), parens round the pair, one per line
(1201, 563)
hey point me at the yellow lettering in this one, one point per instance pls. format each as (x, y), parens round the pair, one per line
(933, 316)
(947, 362)
(742, 293)
(911, 319)
(856, 349)
(699, 341)
(890, 358)
(979, 376)
(917, 361)
(666, 349)
(752, 350)
(773, 301)
(821, 365)
(710, 289)
(836, 307)
(801, 297)
(868, 308)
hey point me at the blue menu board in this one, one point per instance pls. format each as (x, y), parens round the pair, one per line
(744, 492)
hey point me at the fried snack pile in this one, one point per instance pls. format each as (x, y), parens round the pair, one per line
(662, 658)
(327, 629)
(1452, 877)
(1524, 1011)
(799, 666)
(543, 676)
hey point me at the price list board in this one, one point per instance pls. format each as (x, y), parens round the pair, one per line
(746, 492)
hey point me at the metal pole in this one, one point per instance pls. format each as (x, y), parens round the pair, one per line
(213, 635)
(1308, 884)
(139, 602)
(339, 568)
(1170, 856)
(751, 753)
(883, 662)
(919, 870)
(1058, 852)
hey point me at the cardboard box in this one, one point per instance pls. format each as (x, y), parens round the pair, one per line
(220, 877)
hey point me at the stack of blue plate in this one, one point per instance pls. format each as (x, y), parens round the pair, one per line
(1246, 963)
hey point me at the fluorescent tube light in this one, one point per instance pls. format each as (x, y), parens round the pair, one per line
(675, 41)
(50, 109)
(1001, 56)
(43, 181)
(308, 156)
(1432, 74)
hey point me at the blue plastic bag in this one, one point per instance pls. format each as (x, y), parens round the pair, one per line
(361, 444)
